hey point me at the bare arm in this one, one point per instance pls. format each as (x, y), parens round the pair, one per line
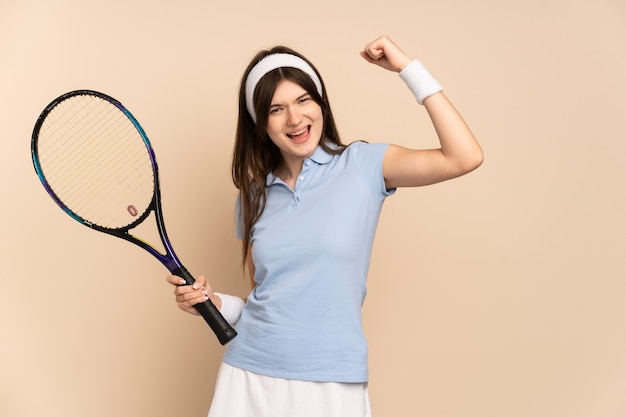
(459, 152)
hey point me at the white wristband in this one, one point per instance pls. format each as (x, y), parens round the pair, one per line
(419, 81)
(231, 307)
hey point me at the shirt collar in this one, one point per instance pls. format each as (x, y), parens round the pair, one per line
(320, 157)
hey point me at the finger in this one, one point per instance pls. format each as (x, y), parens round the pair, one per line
(175, 280)
(386, 54)
(186, 292)
(374, 50)
(187, 295)
(199, 282)
(205, 285)
(188, 300)
(366, 57)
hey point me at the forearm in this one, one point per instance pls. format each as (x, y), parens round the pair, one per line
(459, 149)
(458, 144)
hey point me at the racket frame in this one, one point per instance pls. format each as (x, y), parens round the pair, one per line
(169, 259)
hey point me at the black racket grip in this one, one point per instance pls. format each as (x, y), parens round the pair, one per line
(224, 331)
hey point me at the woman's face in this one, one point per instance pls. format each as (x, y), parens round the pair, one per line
(295, 122)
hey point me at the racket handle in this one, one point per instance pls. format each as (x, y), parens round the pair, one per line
(224, 331)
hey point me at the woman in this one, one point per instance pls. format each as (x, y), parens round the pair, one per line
(307, 213)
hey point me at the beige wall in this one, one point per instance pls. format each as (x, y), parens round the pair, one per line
(498, 294)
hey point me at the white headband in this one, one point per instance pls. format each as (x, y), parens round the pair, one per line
(269, 63)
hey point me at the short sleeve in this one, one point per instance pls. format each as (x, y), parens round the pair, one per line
(368, 158)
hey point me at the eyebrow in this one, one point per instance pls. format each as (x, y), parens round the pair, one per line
(297, 98)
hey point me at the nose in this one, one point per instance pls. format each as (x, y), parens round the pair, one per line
(294, 117)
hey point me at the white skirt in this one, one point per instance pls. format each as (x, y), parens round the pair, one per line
(240, 393)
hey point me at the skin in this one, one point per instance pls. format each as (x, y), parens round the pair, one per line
(295, 125)
(292, 112)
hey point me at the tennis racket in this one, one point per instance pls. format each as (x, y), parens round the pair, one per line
(97, 164)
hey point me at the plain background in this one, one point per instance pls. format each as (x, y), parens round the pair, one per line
(501, 293)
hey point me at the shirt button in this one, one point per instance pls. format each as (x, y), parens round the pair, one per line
(307, 163)
(300, 178)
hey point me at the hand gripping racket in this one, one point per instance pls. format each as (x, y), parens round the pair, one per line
(96, 162)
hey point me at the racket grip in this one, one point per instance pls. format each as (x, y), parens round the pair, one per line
(224, 331)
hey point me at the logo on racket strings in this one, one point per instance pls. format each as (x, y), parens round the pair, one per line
(132, 210)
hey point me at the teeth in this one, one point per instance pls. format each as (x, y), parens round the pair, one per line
(299, 132)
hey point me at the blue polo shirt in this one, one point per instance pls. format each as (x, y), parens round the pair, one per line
(311, 249)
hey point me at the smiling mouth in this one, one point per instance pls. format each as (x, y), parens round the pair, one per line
(299, 133)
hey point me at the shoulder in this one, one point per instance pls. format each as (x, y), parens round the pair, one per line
(370, 152)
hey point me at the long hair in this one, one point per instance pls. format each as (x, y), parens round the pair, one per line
(255, 155)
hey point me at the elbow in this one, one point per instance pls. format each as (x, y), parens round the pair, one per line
(479, 158)
(472, 161)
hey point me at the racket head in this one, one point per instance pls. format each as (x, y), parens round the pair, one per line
(95, 160)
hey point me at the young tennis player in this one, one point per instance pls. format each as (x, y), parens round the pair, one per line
(306, 214)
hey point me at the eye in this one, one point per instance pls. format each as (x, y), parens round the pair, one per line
(275, 110)
(304, 99)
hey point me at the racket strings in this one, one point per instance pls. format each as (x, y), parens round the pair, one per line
(86, 126)
(69, 147)
(96, 161)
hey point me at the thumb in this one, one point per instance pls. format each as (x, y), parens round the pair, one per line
(200, 282)
(373, 51)
(366, 57)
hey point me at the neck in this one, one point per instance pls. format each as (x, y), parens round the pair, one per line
(288, 171)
